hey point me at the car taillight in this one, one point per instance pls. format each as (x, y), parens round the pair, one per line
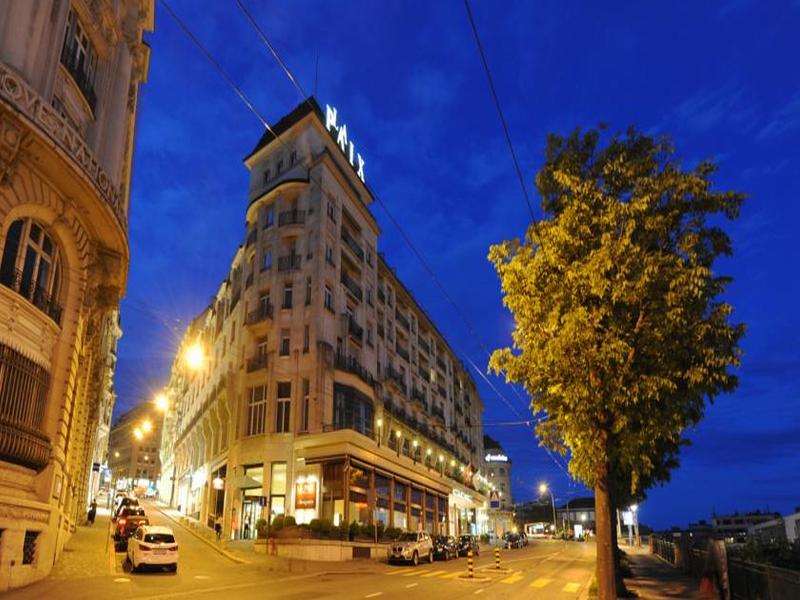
(174, 548)
(123, 521)
(144, 548)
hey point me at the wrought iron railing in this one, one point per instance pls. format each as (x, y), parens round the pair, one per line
(262, 313)
(351, 285)
(351, 365)
(39, 297)
(354, 246)
(290, 262)
(69, 58)
(291, 217)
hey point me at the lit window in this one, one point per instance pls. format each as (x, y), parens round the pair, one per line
(283, 407)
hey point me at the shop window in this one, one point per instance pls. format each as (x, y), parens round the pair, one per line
(29, 547)
(399, 492)
(416, 496)
(333, 492)
(31, 266)
(359, 478)
(277, 489)
(359, 509)
(414, 519)
(400, 518)
(382, 510)
(381, 486)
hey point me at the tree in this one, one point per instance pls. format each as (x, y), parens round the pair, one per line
(621, 335)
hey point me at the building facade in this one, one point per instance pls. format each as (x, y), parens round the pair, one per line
(69, 75)
(134, 448)
(577, 511)
(327, 392)
(735, 527)
(497, 466)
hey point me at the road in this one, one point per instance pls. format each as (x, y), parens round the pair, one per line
(546, 570)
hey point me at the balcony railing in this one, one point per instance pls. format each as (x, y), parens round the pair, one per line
(69, 58)
(351, 365)
(419, 396)
(381, 295)
(23, 397)
(354, 246)
(442, 391)
(441, 365)
(396, 377)
(291, 217)
(354, 329)
(37, 296)
(401, 351)
(402, 320)
(351, 285)
(438, 413)
(257, 363)
(290, 262)
(423, 345)
(262, 313)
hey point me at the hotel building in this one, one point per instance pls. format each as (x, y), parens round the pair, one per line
(133, 449)
(69, 79)
(327, 391)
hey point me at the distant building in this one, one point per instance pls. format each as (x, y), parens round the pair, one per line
(736, 526)
(134, 461)
(497, 466)
(781, 529)
(577, 511)
(535, 516)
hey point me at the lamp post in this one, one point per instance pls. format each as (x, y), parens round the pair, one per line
(544, 488)
(379, 423)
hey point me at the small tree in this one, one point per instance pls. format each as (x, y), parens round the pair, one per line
(620, 333)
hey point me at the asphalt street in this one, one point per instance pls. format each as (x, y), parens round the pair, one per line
(545, 569)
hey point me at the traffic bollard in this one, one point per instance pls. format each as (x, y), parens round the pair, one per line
(470, 573)
(496, 557)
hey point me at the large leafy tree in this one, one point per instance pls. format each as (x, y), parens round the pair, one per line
(621, 333)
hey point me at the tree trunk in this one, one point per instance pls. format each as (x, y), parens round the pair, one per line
(606, 571)
(614, 511)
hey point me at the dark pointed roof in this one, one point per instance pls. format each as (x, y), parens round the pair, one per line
(306, 107)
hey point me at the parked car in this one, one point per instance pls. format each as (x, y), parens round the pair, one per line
(122, 504)
(511, 540)
(411, 546)
(445, 547)
(523, 538)
(466, 543)
(153, 545)
(128, 521)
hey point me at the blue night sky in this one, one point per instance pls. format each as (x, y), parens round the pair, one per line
(720, 77)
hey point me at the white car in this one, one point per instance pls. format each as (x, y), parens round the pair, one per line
(153, 545)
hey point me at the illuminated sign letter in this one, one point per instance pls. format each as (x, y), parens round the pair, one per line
(341, 139)
(360, 167)
(330, 118)
(345, 145)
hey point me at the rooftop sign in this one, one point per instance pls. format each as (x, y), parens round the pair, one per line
(496, 458)
(339, 132)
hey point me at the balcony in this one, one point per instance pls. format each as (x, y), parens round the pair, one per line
(260, 319)
(69, 58)
(381, 295)
(424, 373)
(290, 262)
(402, 351)
(441, 365)
(23, 398)
(402, 320)
(352, 286)
(352, 244)
(438, 415)
(351, 365)
(291, 217)
(442, 391)
(354, 330)
(36, 296)
(419, 396)
(424, 346)
(396, 378)
(257, 363)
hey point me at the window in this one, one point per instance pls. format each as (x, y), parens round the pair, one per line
(369, 334)
(277, 489)
(287, 296)
(328, 298)
(369, 257)
(269, 215)
(293, 158)
(308, 291)
(305, 406)
(256, 410)
(352, 410)
(279, 167)
(79, 58)
(329, 254)
(266, 265)
(369, 295)
(31, 266)
(283, 407)
(284, 350)
(263, 303)
(266, 176)
(306, 340)
(332, 211)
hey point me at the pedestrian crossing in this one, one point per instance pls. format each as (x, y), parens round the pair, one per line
(533, 581)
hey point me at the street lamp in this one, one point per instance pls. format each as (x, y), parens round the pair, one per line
(194, 356)
(379, 423)
(162, 402)
(147, 426)
(138, 434)
(543, 489)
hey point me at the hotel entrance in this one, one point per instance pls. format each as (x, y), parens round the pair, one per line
(252, 489)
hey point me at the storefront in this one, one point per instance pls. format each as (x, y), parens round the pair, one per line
(251, 489)
(468, 513)
(216, 495)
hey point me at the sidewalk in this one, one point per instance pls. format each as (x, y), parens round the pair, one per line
(86, 554)
(655, 579)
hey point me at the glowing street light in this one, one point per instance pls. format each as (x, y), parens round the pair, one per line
(194, 356)
(162, 402)
(138, 433)
(544, 489)
(147, 426)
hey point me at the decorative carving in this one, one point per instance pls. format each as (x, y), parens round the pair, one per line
(20, 513)
(11, 137)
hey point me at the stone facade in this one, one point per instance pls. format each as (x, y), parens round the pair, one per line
(327, 391)
(69, 75)
(135, 460)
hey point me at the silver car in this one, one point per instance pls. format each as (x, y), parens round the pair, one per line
(411, 547)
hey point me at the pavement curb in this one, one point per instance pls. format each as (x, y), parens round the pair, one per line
(224, 553)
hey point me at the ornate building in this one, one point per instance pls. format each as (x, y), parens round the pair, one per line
(69, 77)
(326, 391)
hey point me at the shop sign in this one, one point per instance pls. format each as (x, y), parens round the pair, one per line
(305, 495)
(339, 132)
(494, 499)
(496, 458)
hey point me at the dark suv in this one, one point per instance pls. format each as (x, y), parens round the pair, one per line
(466, 543)
(444, 546)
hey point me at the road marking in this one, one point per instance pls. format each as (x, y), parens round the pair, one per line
(415, 573)
(541, 582)
(480, 591)
(571, 587)
(452, 575)
(394, 572)
(513, 578)
(202, 577)
(434, 573)
(121, 580)
(374, 594)
(410, 585)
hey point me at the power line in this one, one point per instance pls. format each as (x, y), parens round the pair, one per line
(500, 114)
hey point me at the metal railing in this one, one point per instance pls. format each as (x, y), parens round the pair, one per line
(354, 246)
(292, 217)
(351, 285)
(257, 363)
(351, 365)
(69, 59)
(262, 313)
(37, 296)
(290, 262)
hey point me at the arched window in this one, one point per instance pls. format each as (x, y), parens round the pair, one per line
(31, 266)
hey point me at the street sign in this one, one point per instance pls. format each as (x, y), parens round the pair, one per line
(494, 499)
(627, 517)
